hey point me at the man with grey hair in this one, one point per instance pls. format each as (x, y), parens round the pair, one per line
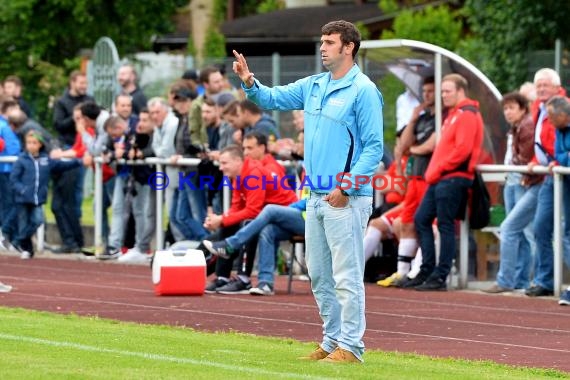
(547, 82)
(166, 125)
(558, 109)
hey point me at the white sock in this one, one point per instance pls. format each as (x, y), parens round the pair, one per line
(406, 251)
(244, 278)
(416, 264)
(371, 242)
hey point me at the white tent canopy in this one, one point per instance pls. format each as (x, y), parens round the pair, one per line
(396, 56)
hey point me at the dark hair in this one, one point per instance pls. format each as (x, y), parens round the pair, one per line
(6, 104)
(206, 72)
(516, 97)
(428, 80)
(143, 110)
(348, 33)
(250, 106)
(123, 95)
(257, 136)
(209, 102)
(90, 110)
(234, 151)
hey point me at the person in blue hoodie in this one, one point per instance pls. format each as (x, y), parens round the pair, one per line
(29, 180)
(343, 148)
(9, 146)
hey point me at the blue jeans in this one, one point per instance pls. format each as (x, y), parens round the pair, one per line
(544, 228)
(8, 212)
(30, 217)
(444, 201)
(335, 260)
(273, 224)
(198, 203)
(181, 217)
(516, 254)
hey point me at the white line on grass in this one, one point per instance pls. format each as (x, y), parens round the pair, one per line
(154, 357)
(441, 337)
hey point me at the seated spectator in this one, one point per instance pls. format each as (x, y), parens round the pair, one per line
(252, 189)
(29, 180)
(418, 141)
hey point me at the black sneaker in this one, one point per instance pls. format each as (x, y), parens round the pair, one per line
(235, 286)
(214, 285)
(219, 248)
(109, 254)
(66, 249)
(409, 283)
(432, 284)
(538, 291)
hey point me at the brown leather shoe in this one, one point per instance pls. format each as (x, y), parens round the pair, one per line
(318, 354)
(496, 289)
(340, 356)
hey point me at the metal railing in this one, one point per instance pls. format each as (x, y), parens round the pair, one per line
(496, 173)
(491, 173)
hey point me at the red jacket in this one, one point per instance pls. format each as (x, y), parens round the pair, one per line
(459, 146)
(250, 194)
(274, 167)
(547, 134)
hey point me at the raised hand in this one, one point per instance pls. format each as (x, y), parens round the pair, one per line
(242, 71)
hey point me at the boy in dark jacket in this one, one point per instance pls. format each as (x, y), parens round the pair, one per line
(29, 179)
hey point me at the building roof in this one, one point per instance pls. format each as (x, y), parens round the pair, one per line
(295, 24)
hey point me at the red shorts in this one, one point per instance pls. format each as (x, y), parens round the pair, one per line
(414, 195)
(389, 216)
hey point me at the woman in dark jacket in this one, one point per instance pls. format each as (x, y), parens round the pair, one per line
(29, 179)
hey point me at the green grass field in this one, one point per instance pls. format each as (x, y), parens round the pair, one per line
(37, 345)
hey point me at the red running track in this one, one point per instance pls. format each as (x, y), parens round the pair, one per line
(513, 330)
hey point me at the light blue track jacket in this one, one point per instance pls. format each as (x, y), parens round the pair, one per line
(343, 127)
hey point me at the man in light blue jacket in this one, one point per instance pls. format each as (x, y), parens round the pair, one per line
(343, 147)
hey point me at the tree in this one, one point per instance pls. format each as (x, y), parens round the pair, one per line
(504, 32)
(39, 36)
(438, 26)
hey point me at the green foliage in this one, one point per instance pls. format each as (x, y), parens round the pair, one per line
(219, 11)
(388, 6)
(438, 26)
(364, 32)
(267, 6)
(215, 44)
(504, 31)
(38, 36)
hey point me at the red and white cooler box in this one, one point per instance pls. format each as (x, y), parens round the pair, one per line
(179, 272)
